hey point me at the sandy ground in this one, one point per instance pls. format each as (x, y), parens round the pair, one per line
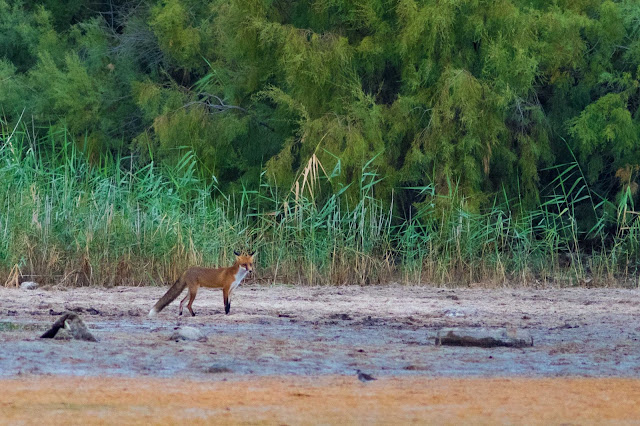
(281, 343)
(325, 400)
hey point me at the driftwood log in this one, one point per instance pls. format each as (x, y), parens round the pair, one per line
(486, 340)
(74, 324)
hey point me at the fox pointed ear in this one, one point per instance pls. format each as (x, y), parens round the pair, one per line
(252, 253)
(236, 252)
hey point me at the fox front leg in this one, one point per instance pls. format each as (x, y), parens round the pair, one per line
(227, 302)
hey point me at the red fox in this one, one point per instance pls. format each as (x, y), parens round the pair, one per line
(226, 278)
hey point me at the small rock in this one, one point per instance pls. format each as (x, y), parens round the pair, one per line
(93, 311)
(344, 317)
(29, 285)
(188, 333)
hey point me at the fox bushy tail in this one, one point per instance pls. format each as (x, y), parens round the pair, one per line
(173, 292)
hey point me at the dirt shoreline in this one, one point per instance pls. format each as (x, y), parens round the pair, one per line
(288, 354)
(309, 331)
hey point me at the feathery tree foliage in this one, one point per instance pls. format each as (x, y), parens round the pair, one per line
(488, 96)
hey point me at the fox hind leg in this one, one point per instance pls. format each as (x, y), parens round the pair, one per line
(192, 296)
(182, 302)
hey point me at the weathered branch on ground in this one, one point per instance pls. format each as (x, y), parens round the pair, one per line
(454, 339)
(74, 324)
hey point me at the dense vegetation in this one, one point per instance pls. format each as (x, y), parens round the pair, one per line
(356, 141)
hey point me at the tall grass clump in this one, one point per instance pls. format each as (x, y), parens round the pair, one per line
(68, 221)
(446, 242)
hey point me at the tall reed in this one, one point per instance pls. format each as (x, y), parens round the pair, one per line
(64, 221)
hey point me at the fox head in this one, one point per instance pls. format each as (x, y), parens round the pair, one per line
(245, 260)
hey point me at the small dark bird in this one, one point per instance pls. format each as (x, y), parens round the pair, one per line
(364, 377)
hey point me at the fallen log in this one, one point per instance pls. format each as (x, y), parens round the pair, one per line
(453, 338)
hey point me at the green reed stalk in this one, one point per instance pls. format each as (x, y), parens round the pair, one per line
(66, 221)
